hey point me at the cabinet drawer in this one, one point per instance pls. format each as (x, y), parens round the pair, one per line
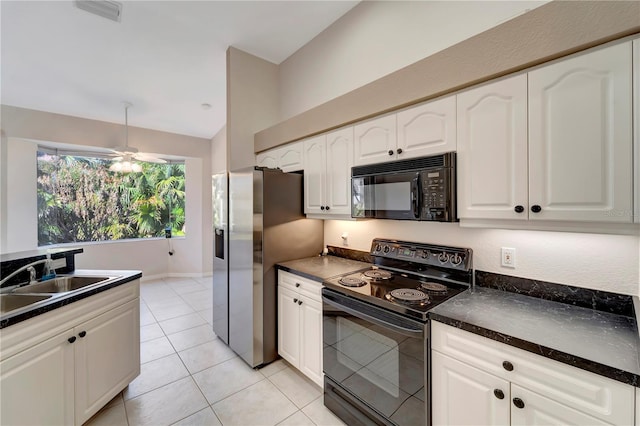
(590, 393)
(305, 286)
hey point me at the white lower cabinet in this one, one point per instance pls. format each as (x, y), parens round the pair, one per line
(476, 380)
(300, 324)
(53, 375)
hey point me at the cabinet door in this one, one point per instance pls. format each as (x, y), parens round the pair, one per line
(580, 142)
(314, 175)
(311, 339)
(427, 129)
(492, 151)
(37, 385)
(289, 326)
(375, 140)
(338, 178)
(465, 395)
(534, 409)
(107, 353)
(290, 157)
(267, 159)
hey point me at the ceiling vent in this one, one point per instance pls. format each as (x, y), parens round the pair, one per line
(106, 9)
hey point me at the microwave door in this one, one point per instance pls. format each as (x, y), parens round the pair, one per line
(391, 196)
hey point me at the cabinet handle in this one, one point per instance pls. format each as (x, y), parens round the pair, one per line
(321, 207)
(297, 284)
(299, 302)
(390, 152)
(498, 393)
(518, 402)
(327, 208)
(295, 300)
(82, 333)
(536, 208)
(507, 366)
(399, 150)
(518, 209)
(71, 339)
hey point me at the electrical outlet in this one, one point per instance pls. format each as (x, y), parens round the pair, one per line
(509, 257)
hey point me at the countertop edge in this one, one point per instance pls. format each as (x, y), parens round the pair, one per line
(302, 274)
(126, 277)
(563, 357)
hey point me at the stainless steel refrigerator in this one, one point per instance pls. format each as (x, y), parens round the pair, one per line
(266, 225)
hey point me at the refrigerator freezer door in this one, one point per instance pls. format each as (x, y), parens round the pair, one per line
(220, 261)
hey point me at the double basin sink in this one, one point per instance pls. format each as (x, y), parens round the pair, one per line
(30, 294)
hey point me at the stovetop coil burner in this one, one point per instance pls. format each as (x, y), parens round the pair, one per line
(377, 274)
(408, 295)
(352, 282)
(431, 287)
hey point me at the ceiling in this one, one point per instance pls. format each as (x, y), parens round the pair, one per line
(165, 57)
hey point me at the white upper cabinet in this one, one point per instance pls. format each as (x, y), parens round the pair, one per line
(580, 138)
(327, 173)
(492, 150)
(427, 129)
(287, 157)
(375, 140)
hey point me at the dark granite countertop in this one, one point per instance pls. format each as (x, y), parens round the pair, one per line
(320, 268)
(33, 255)
(62, 299)
(601, 342)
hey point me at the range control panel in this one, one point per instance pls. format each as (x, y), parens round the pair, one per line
(426, 254)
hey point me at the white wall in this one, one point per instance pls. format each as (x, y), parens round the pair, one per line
(26, 128)
(376, 38)
(595, 261)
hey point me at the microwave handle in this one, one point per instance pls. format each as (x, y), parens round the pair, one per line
(415, 196)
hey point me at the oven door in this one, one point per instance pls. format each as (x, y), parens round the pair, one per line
(386, 196)
(374, 363)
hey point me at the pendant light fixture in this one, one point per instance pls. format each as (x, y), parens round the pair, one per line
(125, 164)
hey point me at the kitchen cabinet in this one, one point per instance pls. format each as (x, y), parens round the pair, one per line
(469, 370)
(492, 150)
(287, 157)
(300, 324)
(574, 163)
(418, 131)
(580, 138)
(427, 129)
(37, 385)
(327, 173)
(637, 406)
(63, 366)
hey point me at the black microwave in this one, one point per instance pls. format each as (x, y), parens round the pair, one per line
(414, 189)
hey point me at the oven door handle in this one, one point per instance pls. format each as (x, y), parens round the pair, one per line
(382, 323)
(415, 196)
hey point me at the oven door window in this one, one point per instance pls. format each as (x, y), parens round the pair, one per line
(391, 196)
(381, 367)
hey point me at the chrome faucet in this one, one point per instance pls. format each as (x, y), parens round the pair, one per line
(30, 268)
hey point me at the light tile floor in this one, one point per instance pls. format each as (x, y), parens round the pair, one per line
(190, 377)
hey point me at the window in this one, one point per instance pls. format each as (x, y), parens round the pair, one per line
(79, 200)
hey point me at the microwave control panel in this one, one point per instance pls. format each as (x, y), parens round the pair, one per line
(435, 194)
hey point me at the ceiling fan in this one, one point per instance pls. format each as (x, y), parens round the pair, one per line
(125, 155)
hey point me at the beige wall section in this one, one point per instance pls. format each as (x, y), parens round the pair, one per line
(24, 129)
(600, 262)
(376, 38)
(219, 151)
(252, 103)
(555, 29)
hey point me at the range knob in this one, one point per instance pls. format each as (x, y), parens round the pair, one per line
(425, 254)
(386, 249)
(378, 247)
(443, 257)
(456, 259)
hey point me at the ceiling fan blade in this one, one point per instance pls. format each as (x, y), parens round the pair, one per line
(149, 159)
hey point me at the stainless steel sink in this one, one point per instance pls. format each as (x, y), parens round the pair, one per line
(61, 284)
(11, 302)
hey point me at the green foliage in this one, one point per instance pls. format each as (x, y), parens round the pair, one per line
(79, 199)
